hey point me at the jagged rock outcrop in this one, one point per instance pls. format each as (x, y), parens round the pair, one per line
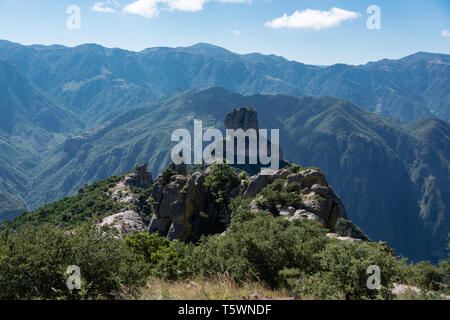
(319, 201)
(140, 178)
(242, 118)
(176, 199)
(180, 200)
(256, 184)
(130, 220)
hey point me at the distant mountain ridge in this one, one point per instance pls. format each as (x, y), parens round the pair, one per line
(30, 122)
(100, 83)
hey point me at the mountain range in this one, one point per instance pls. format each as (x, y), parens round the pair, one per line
(77, 115)
(99, 83)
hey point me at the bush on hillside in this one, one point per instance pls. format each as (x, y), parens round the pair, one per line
(343, 272)
(34, 260)
(165, 259)
(92, 203)
(261, 248)
(220, 181)
(275, 194)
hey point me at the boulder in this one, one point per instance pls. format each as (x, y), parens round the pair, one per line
(256, 184)
(170, 194)
(164, 225)
(175, 201)
(310, 177)
(126, 222)
(320, 189)
(254, 206)
(338, 237)
(153, 226)
(178, 168)
(287, 212)
(293, 177)
(303, 214)
(321, 208)
(280, 174)
(179, 231)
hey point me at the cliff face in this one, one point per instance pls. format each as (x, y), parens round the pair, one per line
(242, 118)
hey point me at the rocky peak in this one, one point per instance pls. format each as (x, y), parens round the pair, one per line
(242, 118)
(140, 178)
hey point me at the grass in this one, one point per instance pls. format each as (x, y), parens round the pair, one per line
(220, 287)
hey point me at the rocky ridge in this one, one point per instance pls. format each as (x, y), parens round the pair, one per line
(180, 201)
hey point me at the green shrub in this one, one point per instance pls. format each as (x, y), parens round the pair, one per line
(260, 248)
(34, 260)
(427, 276)
(274, 195)
(318, 286)
(294, 168)
(343, 271)
(293, 187)
(243, 176)
(221, 180)
(91, 204)
(164, 259)
(346, 228)
(168, 173)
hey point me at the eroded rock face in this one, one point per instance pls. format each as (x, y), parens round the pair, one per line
(175, 201)
(180, 201)
(242, 118)
(319, 201)
(256, 184)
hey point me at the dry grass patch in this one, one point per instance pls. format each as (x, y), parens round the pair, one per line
(201, 288)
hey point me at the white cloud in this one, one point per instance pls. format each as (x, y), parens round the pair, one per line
(445, 33)
(313, 19)
(152, 8)
(145, 8)
(186, 5)
(237, 32)
(102, 6)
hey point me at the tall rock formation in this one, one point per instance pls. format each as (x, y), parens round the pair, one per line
(242, 118)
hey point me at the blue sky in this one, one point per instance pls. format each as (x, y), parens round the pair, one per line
(315, 34)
